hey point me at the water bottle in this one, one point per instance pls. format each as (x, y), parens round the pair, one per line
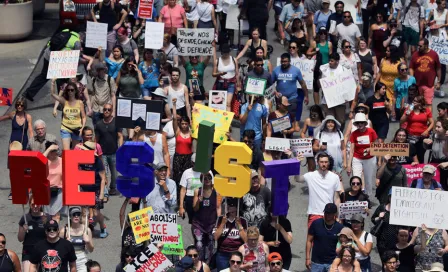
(410, 108)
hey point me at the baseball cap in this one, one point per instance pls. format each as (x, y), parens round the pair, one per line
(366, 76)
(184, 264)
(326, 1)
(74, 210)
(253, 173)
(429, 169)
(358, 218)
(322, 29)
(331, 208)
(52, 224)
(274, 256)
(160, 166)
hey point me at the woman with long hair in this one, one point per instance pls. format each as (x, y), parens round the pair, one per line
(296, 53)
(401, 86)
(171, 52)
(22, 123)
(129, 80)
(114, 61)
(267, 65)
(355, 193)
(297, 33)
(401, 136)
(199, 265)
(150, 71)
(130, 48)
(255, 252)
(346, 261)
(73, 114)
(368, 58)
(378, 34)
(379, 106)
(174, 17)
(253, 44)
(127, 255)
(207, 15)
(351, 60)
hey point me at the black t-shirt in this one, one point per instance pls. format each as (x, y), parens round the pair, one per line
(257, 10)
(269, 233)
(406, 258)
(107, 15)
(398, 41)
(407, 159)
(128, 239)
(53, 256)
(36, 232)
(383, 6)
(378, 113)
(107, 135)
(97, 167)
(325, 241)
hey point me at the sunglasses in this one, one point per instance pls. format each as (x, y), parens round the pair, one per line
(193, 255)
(208, 177)
(379, 16)
(322, 33)
(194, 57)
(259, 65)
(348, 16)
(70, 90)
(404, 70)
(235, 262)
(3, 242)
(276, 263)
(19, 105)
(52, 229)
(107, 109)
(77, 214)
(356, 183)
(348, 46)
(292, 47)
(127, 256)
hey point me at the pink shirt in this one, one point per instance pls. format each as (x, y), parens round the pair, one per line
(55, 173)
(172, 17)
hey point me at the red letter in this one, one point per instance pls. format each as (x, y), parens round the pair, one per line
(28, 169)
(73, 177)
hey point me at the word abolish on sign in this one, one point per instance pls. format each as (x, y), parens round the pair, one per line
(164, 228)
(150, 259)
(195, 42)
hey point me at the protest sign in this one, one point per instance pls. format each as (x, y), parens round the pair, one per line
(414, 207)
(393, 149)
(132, 112)
(154, 35)
(221, 119)
(269, 101)
(440, 45)
(302, 147)
(150, 259)
(218, 100)
(281, 123)
(338, 89)
(232, 19)
(96, 35)
(140, 224)
(164, 228)
(195, 42)
(194, 86)
(306, 66)
(277, 144)
(6, 97)
(415, 172)
(255, 86)
(63, 64)
(175, 249)
(145, 9)
(350, 208)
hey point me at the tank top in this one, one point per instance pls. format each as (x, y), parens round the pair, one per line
(71, 117)
(230, 68)
(179, 95)
(6, 263)
(77, 242)
(19, 133)
(311, 131)
(129, 87)
(325, 52)
(204, 11)
(183, 145)
(205, 218)
(157, 147)
(440, 20)
(253, 48)
(249, 256)
(367, 62)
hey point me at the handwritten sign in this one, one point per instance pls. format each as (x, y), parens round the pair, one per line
(6, 97)
(195, 42)
(350, 208)
(338, 89)
(150, 259)
(414, 207)
(175, 249)
(96, 35)
(415, 172)
(63, 64)
(306, 66)
(154, 35)
(393, 149)
(145, 9)
(140, 224)
(440, 45)
(281, 123)
(218, 100)
(255, 86)
(232, 19)
(222, 120)
(302, 147)
(269, 101)
(277, 144)
(164, 228)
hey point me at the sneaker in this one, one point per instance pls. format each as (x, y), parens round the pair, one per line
(113, 191)
(440, 93)
(393, 119)
(282, 42)
(10, 196)
(103, 233)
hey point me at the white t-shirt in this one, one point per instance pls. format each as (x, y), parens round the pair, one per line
(321, 190)
(363, 241)
(192, 180)
(412, 19)
(349, 33)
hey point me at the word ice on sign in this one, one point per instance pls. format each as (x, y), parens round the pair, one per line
(150, 259)
(164, 228)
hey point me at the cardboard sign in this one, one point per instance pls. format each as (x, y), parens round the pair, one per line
(281, 123)
(414, 207)
(350, 208)
(63, 64)
(164, 228)
(393, 149)
(145, 9)
(96, 35)
(218, 100)
(277, 144)
(440, 45)
(131, 112)
(150, 259)
(175, 249)
(195, 88)
(6, 97)
(221, 119)
(269, 95)
(338, 89)
(195, 42)
(306, 66)
(255, 86)
(232, 19)
(302, 147)
(140, 224)
(415, 172)
(154, 35)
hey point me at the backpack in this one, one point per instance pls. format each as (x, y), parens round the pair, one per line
(318, 14)
(407, 9)
(59, 40)
(108, 83)
(434, 183)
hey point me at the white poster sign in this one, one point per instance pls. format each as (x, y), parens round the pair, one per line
(281, 123)
(277, 144)
(352, 6)
(164, 228)
(440, 45)
(232, 19)
(96, 35)
(350, 208)
(255, 86)
(302, 147)
(150, 259)
(338, 89)
(195, 42)
(63, 64)
(218, 100)
(306, 66)
(154, 35)
(269, 101)
(414, 207)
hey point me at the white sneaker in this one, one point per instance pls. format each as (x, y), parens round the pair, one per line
(440, 93)
(282, 42)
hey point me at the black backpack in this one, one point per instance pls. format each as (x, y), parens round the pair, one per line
(59, 40)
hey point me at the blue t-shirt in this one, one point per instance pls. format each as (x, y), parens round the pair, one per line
(325, 241)
(320, 19)
(419, 184)
(401, 89)
(254, 118)
(150, 73)
(287, 80)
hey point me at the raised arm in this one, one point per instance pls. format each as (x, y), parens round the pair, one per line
(57, 97)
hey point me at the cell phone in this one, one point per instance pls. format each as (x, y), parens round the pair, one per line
(324, 143)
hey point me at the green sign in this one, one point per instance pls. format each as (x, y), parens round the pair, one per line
(175, 249)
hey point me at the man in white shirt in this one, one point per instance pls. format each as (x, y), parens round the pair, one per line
(349, 31)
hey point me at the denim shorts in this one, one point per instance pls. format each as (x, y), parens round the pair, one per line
(148, 91)
(230, 87)
(67, 134)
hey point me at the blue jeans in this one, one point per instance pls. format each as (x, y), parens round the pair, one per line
(366, 265)
(315, 267)
(300, 98)
(222, 260)
(110, 163)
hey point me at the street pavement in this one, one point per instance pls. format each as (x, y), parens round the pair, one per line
(107, 251)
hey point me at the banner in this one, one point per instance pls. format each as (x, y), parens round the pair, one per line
(154, 35)
(150, 259)
(96, 35)
(281, 123)
(255, 86)
(145, 9)
(302, 147)
(414, 207)
(269, 95)
(440, 45)
(164, 228)
(232, 19)
(140, 224)
(6, 97)
(175, 249)
(393, 149)
(415, 172)
(221, 119)
(277, 144)
(338, 89)
(218, 100)
(195, 42)
(350, 208)
(306, 66)
(63, 64)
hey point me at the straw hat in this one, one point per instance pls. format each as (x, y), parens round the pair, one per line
(15, 145)
(435, 267)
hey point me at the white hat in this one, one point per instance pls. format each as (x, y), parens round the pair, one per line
(360, 117)
(435, 267)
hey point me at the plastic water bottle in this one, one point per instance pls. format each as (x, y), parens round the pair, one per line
(410, 108)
